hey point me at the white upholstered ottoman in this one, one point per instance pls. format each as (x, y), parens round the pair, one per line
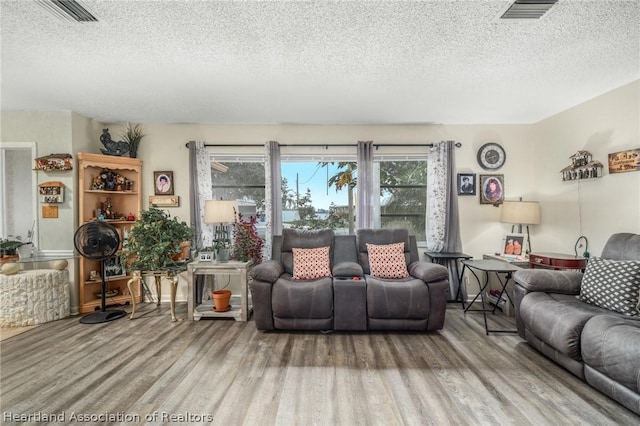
(34, 297)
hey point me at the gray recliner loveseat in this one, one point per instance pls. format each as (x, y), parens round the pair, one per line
(598, 340)
(349, 296)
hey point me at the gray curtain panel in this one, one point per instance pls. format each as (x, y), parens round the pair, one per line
(364, 188)
(273, 194)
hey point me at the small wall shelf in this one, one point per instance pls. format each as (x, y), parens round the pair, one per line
(51, 192)
(582, 167)
(54, 163)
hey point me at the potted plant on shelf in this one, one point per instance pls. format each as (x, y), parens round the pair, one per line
(132, 135)
(156, 241)
(12, 246)
(222, 246)
(247, 243)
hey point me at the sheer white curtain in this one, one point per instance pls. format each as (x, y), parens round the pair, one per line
(443, 224)
(273, 194)
(200, 187)
(200, 191)
(364, 189)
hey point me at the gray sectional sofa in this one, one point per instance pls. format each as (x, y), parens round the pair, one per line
(599, 345)
(352, 298)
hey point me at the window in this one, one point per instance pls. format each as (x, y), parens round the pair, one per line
(240, 178)
(402, 185)
(316, 194)
(319, 189)
(313, 194)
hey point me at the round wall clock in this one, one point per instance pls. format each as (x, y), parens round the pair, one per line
(491, 156)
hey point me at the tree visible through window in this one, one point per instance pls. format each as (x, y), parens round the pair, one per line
(322, 195)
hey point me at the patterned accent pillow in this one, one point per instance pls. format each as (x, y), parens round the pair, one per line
(310, 264)
(387, 261)
(613, 285)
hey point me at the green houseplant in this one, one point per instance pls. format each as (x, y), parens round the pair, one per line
(10, 244)
(133, 134)
(154, 241)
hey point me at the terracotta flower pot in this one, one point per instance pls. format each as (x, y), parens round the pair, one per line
(184, 254)
(221, 300)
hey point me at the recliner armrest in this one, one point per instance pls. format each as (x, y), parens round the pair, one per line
(268, 271)
(427, 271)
(548, 280)
(347, 270)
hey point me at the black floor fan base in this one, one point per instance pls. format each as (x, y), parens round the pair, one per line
(102, 316)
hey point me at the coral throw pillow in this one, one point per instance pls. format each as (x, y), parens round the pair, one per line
(309, 264)
(387, 261)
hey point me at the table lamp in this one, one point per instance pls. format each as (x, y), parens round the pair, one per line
(221, 213)
(521, 213)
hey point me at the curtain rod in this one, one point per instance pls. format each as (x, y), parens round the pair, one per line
(457, 144)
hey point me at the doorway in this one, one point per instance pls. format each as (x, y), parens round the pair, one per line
(18, 190)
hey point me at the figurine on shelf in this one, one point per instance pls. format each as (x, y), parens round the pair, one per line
(97, 184)
(107, 209)
(112, 148)
(119, 183)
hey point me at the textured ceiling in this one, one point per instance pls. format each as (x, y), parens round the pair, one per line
(359, 62)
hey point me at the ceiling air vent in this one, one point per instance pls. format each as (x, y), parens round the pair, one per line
(67, 10)
(528, 9)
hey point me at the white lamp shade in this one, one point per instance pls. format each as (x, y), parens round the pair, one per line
(220, 211)
(520, 212)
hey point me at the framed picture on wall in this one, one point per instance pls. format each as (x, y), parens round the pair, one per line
(466, 184)
(163, 183)
(491, 189)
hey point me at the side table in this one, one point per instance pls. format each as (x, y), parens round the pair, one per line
(557, 261)
(196, 311)
(487, 267)
(450, 260)
(171, 273)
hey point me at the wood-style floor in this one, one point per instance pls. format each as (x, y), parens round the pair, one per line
(228, 373)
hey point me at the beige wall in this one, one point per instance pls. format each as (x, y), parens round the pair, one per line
(595, 208)
(54, 132)
(535, 155)
(164, 149)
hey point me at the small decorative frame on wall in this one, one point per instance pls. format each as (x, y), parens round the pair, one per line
(49, 212)
(625, 161)
(164, 200)
(491, 189)
(163, 183)
(466, 184)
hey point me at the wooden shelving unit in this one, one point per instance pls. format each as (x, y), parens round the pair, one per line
(124, 202)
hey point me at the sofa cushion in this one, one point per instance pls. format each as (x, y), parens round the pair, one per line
(557, 320)
(611, 345)
(302, 299)
(387, 261)
(612, 284)
(309, 264)
(402, 299)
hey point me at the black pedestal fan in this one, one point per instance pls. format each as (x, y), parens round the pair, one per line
(98, 241)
